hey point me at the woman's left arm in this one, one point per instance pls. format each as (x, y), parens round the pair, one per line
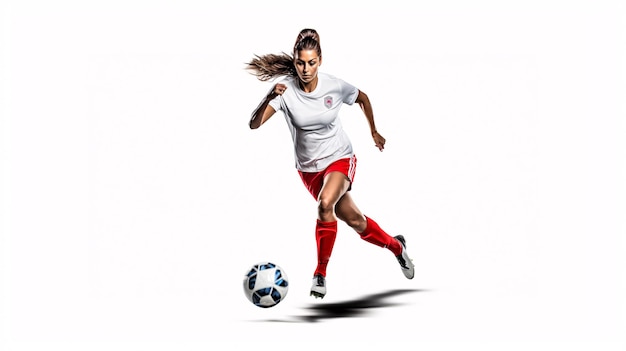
(366, 106)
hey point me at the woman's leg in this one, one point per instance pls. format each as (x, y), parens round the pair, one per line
(367, 228)
(334, 187)
(371, 232)
(347, 211)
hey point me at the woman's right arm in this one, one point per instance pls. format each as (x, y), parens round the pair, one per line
(264, 111)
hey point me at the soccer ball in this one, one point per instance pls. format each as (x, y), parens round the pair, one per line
(266, 284)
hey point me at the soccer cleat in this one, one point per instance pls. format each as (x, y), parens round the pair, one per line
(318, 289)
(405, 261)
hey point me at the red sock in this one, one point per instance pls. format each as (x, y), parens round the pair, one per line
(375, 235)
(325, 234)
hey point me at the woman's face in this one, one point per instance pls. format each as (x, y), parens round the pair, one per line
(307, 62)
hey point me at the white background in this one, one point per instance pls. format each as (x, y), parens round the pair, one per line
(134, 196)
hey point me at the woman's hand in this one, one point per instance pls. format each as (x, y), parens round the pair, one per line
(378, 140)
(279, 89)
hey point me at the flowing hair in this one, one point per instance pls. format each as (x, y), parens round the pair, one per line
(270, 66)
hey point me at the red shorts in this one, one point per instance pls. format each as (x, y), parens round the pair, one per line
(314, 180)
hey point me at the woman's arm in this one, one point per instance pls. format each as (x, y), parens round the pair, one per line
(264, 111)
(366, 106)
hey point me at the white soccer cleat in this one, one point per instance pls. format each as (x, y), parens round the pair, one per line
(405, 261)
(318, 288)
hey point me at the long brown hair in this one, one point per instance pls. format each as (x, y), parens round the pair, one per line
(270, 66)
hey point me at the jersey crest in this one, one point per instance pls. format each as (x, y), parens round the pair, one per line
(328, 101)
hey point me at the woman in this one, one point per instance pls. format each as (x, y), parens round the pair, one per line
(325, 160)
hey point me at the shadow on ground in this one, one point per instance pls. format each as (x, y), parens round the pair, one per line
(359, 307)
(353, 308)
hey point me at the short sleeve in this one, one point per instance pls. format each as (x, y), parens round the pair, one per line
(349, 92)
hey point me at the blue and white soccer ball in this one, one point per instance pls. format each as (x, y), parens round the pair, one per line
(266, 284)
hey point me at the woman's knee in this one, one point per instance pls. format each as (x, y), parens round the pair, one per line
(325, 206)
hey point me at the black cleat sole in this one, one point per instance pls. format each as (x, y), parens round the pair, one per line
(317, 295)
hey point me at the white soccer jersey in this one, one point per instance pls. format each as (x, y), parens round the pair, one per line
(313, 119)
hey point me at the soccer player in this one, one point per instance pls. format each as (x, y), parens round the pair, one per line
(310, 101)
